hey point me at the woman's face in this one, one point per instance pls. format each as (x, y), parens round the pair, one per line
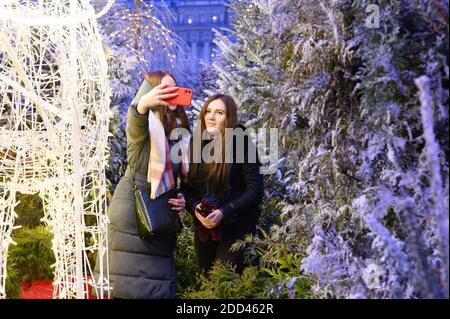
(168, 80)
(216, 117)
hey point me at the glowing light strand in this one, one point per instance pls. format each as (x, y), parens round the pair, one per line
(54, 114)
(144, 34)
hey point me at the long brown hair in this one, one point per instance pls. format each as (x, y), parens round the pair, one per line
(168, 117)
(217, 174)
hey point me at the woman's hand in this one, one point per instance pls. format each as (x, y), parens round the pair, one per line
(202, 219)
(178, 203)
(212, 220)
(215, 218)
(156, 96)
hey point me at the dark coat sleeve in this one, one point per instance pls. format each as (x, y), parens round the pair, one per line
(191, 195)
(137, 126)
(137, 133)
(191, 198)
(253, 188)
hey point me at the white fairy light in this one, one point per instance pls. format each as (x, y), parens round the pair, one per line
(61, 153)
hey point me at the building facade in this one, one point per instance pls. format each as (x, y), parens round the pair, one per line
(194, 21)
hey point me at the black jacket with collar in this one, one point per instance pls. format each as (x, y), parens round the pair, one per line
(240, 200)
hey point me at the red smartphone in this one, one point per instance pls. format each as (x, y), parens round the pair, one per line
(184, 97)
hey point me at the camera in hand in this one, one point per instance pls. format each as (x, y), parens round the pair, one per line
(209, 203)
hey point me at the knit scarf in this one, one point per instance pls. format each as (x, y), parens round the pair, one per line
(159, 174)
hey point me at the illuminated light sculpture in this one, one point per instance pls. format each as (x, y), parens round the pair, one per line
(146, 31)
(54, 115)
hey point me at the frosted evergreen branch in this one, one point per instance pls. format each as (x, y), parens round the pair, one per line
(432, 150)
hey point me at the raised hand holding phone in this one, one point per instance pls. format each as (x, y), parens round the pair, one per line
(157, 96)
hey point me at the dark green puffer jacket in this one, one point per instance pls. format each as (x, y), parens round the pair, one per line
(138, 268)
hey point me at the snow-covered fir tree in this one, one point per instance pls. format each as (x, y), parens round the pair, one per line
(145, 32)
(205, 88)
(361, 101)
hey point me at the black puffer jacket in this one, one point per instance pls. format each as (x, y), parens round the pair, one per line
(138, 268)
(240, 201)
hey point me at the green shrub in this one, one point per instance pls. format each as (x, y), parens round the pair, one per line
(280, 264)
(285, 279)
(223, 282)
(33, 255)
(185, 257)
(12, 287)
(29, 211)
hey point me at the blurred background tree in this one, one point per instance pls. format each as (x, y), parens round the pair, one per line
(362, 187)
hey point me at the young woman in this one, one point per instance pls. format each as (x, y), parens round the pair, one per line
(231, 191)
(144, 268)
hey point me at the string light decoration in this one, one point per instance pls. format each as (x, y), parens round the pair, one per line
(54, 115)
(146, 31)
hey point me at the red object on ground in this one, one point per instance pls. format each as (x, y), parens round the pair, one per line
(39, 289)
(42, 289)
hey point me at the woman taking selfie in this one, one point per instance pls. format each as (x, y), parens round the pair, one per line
(223, 197)
(145, 268)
